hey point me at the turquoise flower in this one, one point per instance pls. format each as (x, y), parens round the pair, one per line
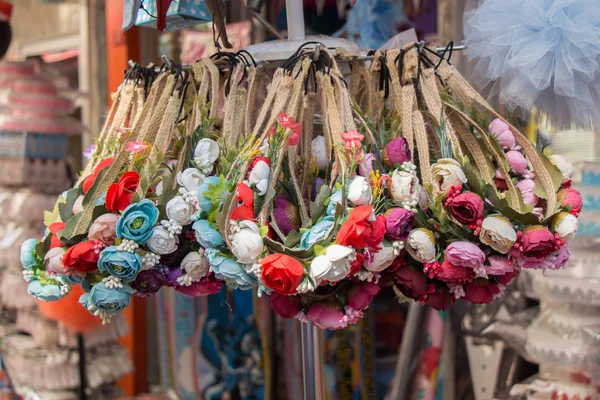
(46, 292)
(230, 271)
(28, 257)
(317, 233)
(206, 235)
(334, 200)
(121, 264)
(101, 201)
(204, 202)
(137, 221)
(107, 300)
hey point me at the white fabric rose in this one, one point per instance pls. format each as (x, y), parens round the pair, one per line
(404, 188)
(498, 233)
(359, 192)
(564, 166)
(260, 176)
(447, 173)
(180, 210)
(247, 244)
(78, 205)
(565, 225)
(421, 245)
(195, 265)
(334, 265)
(161, 241)
(205, 155)
(382, 259)
(190, 179)
(318, 151)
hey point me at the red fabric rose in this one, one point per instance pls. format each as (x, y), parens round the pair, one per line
(481, 291)
(119, 195)
(282, 273)
(466, 208)
(81, 257)
(358, 232)
(90, 180)
(54, 229)
(285, 306)
(537, 242)
(357, 264)
(453, 274)
(360, 296)
(507, 277)
(245, 211)
(439, 299)
(411, 282)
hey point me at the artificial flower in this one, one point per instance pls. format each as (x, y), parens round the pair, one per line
(334, 265)
(120, 195)
(526, 187)
(205, 154)
(78, 205)
(571, 199)
(466, 208)
(366, 166)
(564, 166)
(148, 283)
(334, 200)
(136, 147)
(204, 202)
(260, 175)
(559, 260)
(326, 315)
(90, 180)
(107, 300)
(403, 188)
(206, 286)
(352, 140)
(359, 191)
(180, 210)
(247, 243)
(230, 271)
(82, 257)
(396, 151)
(499, 265)
(206, 235)
(565, 225)
(360, 296)
(454, 274)
(498, 233)
(421, 245)
(381, 259)
(447, 172)
(137, 221)
(54, 229)
(410, 281)
(466, 255)
(28, 257)
(284, 306)
(104, 229)
(87, 153)
(190, 179)
(45, 291)
(501, 131)
(439, 299)
(481, 291)
(517, 162)
(195, 265)
(161, 241)
(362, 229)
(121, 264)
(290, 123)
(317, 233)
(244, 211)
(318, 152)
(398, 223)
(281, 273)
(53, 260)
(537, 242)
(286, 215)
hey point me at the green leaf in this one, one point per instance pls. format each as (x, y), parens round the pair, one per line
(91, 193)
(66, 208)
(320, 250)
(300, 254)
(318, 205)
(293, 239)
(263, 230)
(42, 247)
(67, 236)
(52, 217)
(98, 211)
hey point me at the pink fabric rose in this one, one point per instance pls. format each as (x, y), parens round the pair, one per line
(326, 315)
(465, 254)
(502, 132)
(498, 266)
(516, 161)
(53, 258)
(366, 166)
(481, 291)
(360, 296)
(396, 151)
(104, 228)
(398, 223)
(570, 197)
(526, 187)
(537, 242)
(285, 306)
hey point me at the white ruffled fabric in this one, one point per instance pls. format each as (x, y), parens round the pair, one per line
(542, 53)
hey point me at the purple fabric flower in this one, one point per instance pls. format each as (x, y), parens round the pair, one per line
(148, 283)
(467, 255)
(87, 153)
(286, 215)
(396, 151)
(366, 166)
(398, 223)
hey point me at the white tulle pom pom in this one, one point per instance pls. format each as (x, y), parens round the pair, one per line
(542, 53)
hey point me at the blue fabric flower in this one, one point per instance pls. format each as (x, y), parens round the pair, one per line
(334, 200)
(317, 233)
(107, 300)
(230, 271)
(206, 235)
(121, 264)
(28, 257)
(101, 201)
(46, 292)
(137, 221)
(204, 202)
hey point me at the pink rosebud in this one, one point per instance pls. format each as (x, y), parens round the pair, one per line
(366, 166)
(465, 254)
(284, 306)
(104, 229)
(538, 242)
(360, 296)
(53, 258)
(327, 315)
(501, 131)
(517, 162)
(570, 197)
(396, 151)
(526, 187)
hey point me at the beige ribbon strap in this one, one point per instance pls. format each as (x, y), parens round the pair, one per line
(234, 108)
(405, 112)
(422, 146)
(253, 84)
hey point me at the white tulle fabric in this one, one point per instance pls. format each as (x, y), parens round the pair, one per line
(542, 53)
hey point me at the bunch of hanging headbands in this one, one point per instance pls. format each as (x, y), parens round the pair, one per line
(400, 174)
